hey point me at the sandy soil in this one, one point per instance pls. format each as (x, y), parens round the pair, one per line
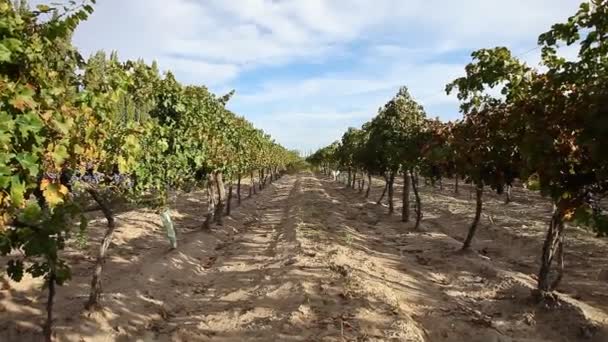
(308, 260)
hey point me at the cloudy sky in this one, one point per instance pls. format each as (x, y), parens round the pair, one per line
(305, 70)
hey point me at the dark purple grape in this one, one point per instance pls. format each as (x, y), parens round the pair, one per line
(52, 175)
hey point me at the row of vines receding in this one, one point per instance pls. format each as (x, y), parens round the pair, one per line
(104, 131)
(546, 126)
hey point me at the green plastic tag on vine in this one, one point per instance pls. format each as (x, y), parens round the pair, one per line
(168, 224)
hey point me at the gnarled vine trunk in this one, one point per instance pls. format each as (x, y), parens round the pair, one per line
(350, 177)
(383, 191)
(238, 189)
(47, 329)
(252, 189)
(405, 209)
(508, 189)
(260, 179)
(369, 185)
(96, 286)
(391, 188)
(456, 190)
(478, 207)
(210, 202)
(418, 207)
(229, 200)
(221, 198)
(552, 247)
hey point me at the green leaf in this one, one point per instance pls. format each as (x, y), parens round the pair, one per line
(5, 158)
(29, 123)
(36, 269)
(5, 176)
(24, 99)
(63, 126)
(60, 154)
(14, 45)
(4, 182)
(7, 126)
(5, 244)
(84, 222)
(14, 269)
(5, 54)
(88, 8)
(29, 162)
(62, 273)
(32, 213)
(5, 140)
(17, 191)
(43, 8)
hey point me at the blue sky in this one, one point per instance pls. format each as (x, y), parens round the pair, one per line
(305, 70)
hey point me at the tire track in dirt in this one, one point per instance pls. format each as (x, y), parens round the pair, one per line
(365, 305)
(294, 275)
(248, 290)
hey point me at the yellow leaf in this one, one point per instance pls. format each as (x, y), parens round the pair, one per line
(123, 166)
(63, 189)
(53, 193)
(5, 219)
(44, 183)
(569, 214)
(47, 115)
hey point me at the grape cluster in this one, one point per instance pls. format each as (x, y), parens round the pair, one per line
(53, 176)
(595, 202)
(122, 180)
(92, 177)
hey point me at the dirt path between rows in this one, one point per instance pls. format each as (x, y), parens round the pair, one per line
(307, 260)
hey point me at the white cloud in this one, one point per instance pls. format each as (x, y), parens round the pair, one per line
(425, 81)
(199, 72)
(364, 50)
